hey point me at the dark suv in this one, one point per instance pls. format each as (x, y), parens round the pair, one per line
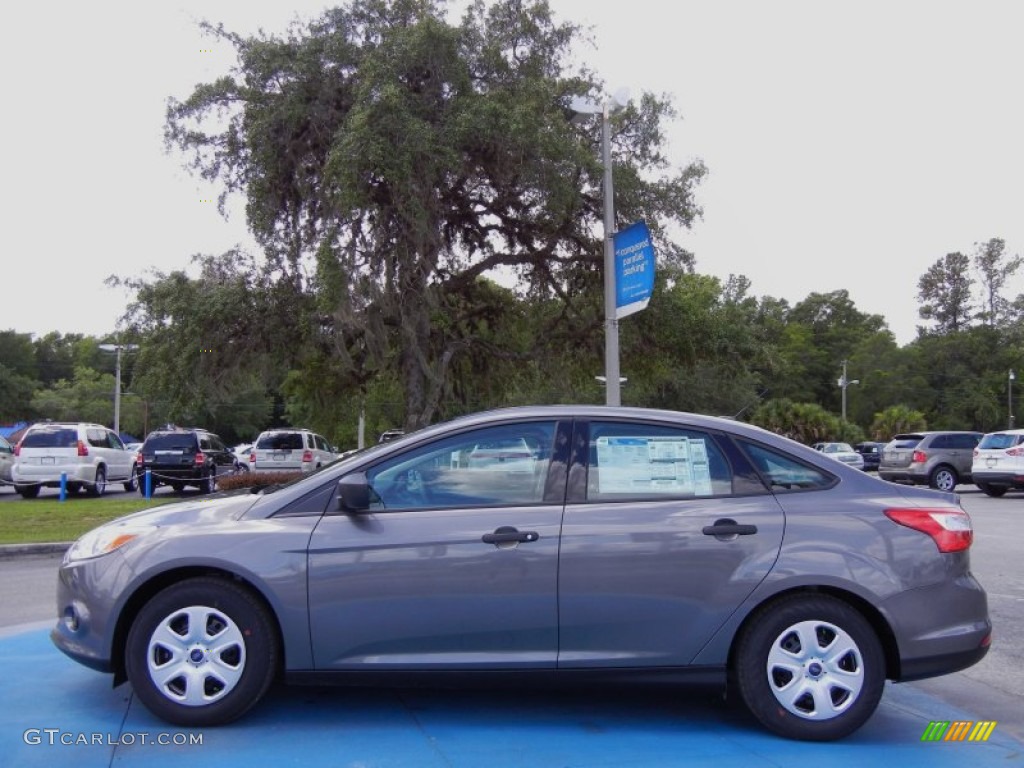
(938, 459)
(178, 457)
(871, 453)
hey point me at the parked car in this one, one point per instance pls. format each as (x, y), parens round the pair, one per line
(6, 462)
(181, 457)
(941, 460)
(87, 455)
(243, 456)
(841, 452)
(871, 453)
(291, 449)
(998, 463)
(644, 543)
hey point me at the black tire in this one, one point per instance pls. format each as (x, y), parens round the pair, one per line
(233, 680)
(132, 483)
(209, 482)
(27, 491)
(943, 478)
(995, 491)
(787, 679)
(99, 485)
(177, 487)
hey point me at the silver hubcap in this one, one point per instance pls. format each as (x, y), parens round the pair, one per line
(815, 670)
(196, 656)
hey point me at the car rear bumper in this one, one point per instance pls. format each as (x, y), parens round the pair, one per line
(1006, 479)
(50, 474)
(937, 642)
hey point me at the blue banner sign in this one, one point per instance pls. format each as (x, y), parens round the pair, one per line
(634, 269)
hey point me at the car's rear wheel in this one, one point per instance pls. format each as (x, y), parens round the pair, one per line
(177, 487)
(210, 482)
(943, 478)
(99, 485)
(27, 491)
(810, 667)
(201, 652)
(993, 490)
(132, 483)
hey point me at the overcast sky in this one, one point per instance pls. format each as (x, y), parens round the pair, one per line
(849, 145)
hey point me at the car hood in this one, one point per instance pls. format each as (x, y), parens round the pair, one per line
(206, 510)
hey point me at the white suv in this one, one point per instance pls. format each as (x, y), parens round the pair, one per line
(88, 455)
(998, 464)
(290, 449)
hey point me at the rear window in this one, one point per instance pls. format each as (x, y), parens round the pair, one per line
(184, 443)
(1000, 441)
(906, 441)
(50, 438)
(280, 441)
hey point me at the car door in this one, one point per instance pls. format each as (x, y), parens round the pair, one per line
(667, 530)
(120, 462)
(453, 566)
(6, 460)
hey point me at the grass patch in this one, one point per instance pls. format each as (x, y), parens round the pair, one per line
(30, 521)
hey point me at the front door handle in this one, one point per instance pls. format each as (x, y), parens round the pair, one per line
(729, 529)
(506, 535)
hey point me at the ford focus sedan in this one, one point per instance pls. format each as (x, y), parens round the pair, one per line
(618, 544)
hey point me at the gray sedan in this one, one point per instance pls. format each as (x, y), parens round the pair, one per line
(609, 544)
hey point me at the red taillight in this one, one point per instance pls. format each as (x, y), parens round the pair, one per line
(1015, 451)
(252, 457)
(950, 529)
(17, 449)
(919, 457)
(138, 458)
(83, 449)
(200, 458)
(307, 455)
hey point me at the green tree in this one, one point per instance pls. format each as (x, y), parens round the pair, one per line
(88, 396)
(408, 157)
(895, 420)
(995, 268)
(945, 293)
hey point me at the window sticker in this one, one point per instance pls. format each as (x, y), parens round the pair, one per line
(653, 465)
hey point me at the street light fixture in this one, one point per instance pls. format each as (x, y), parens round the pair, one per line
(583, 108)
(843, 384)
(118, 348)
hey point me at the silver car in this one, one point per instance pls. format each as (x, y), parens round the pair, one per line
(639, 544)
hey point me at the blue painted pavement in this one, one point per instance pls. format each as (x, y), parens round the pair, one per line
(54, 711)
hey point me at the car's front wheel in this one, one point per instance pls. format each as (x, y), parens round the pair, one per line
(943, 479)
(810, 667)
(201, 652)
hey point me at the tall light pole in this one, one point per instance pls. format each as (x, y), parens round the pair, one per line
(586, 107)
(843, 384)
(1009, 396)
(118, 348)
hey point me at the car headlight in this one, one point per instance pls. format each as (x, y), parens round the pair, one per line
(105, 539)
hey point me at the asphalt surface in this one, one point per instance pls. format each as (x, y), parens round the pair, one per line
(52, 709)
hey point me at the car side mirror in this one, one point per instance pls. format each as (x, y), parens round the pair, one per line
(354, 493)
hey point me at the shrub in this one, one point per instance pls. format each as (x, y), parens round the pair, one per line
(255, 480)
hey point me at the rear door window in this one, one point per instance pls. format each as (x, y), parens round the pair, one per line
(280, 441)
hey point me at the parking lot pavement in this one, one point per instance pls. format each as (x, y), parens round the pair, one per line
(52, 709)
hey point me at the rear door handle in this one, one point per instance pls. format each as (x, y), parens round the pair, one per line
(506, 534)
(729, 528)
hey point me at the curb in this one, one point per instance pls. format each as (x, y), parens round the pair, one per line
(23, 550)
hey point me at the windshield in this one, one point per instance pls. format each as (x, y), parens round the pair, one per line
(51, 438)
(181, 442)
(1000, 441)
(280, 441)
